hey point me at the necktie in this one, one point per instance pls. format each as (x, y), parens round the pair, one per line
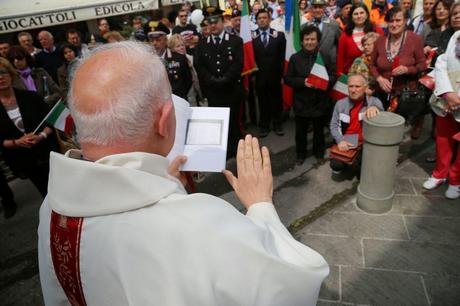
(264, 39)
(217, 40)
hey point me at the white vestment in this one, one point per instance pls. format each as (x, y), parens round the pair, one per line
(144, 241)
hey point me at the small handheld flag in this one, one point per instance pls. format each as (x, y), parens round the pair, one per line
(340, 89)
(59, 117)
(318, 77)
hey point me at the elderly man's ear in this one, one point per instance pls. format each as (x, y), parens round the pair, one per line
(164, 119)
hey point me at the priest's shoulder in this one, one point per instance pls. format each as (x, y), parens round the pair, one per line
(201, 200)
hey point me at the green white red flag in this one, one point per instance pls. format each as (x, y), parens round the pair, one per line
(318, 77)
(428, 80)
(249, 62)
(292, 33)
(60, 117)
(340, 89)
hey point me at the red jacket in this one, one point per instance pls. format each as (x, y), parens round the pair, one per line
(348, 51)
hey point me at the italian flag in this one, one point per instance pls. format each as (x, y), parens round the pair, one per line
(428, 80)
(292, 32)
(318, 77)
(60, 118)
(340, 89)
(249, 63)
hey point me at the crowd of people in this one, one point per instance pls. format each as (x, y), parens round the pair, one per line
(203, 56)
(122, 229)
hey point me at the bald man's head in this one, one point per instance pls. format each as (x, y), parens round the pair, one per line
(115, 92)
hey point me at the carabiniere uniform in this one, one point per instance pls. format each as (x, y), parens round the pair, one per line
(179, 74)
(219, 66)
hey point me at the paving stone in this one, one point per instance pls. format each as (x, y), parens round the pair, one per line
(331, 303)
(443, 290)
(403, 186)
(424, 257)
(277, 143)
(26, 292)
(348, 206)
(418, 185)
(359, 225)
(425, 206)
(330, 287)
(412, 170)
(303, 194)
(336, 250)
(18, 235)
(375, 287)
(435, 229)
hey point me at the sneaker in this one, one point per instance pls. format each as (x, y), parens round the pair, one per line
(432, 183)
(453, 192)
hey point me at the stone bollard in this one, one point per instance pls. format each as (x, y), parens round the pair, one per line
(382, 136)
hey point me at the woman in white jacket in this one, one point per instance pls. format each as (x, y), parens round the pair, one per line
(447, 88)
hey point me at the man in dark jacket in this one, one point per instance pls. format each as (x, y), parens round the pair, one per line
(179, 74)
(269, 49)
(219, 63)
(310, 104)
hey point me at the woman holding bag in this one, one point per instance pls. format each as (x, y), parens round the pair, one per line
(397, 59)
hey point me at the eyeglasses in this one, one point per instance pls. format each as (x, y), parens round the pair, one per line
(18, 57)
(3, 72)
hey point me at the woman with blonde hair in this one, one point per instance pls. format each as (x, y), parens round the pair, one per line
(21, 112)
(176, 43)
(361, 64)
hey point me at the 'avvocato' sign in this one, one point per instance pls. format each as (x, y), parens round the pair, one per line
(98, 10)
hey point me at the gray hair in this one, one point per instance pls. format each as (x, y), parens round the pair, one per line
(24, 34)
(128, 117)
(353, 74)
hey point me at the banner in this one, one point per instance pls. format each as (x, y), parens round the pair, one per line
(20, 16)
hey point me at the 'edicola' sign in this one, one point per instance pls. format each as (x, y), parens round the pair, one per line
(29, 21)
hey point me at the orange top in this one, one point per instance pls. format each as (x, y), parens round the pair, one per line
(342, 24)
(379, 19)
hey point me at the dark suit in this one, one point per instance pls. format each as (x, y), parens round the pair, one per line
(30, 162)
(270, 61)
(179, 74)
(219, 68)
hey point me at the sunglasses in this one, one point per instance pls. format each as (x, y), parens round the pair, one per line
(3, 72)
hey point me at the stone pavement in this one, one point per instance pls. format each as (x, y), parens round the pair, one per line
(409, 256)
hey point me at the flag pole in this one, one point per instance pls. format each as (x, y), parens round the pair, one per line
(46, 117)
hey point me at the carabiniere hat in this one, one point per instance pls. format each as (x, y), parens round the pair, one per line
(212, 13)
(156, 28)
(318, 2)
(236, 13)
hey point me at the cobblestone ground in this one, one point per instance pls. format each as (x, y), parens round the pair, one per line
(409, 256)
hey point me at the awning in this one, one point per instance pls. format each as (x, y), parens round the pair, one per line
(20, 15)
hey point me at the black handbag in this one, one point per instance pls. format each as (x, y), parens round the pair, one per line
(412, 102)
